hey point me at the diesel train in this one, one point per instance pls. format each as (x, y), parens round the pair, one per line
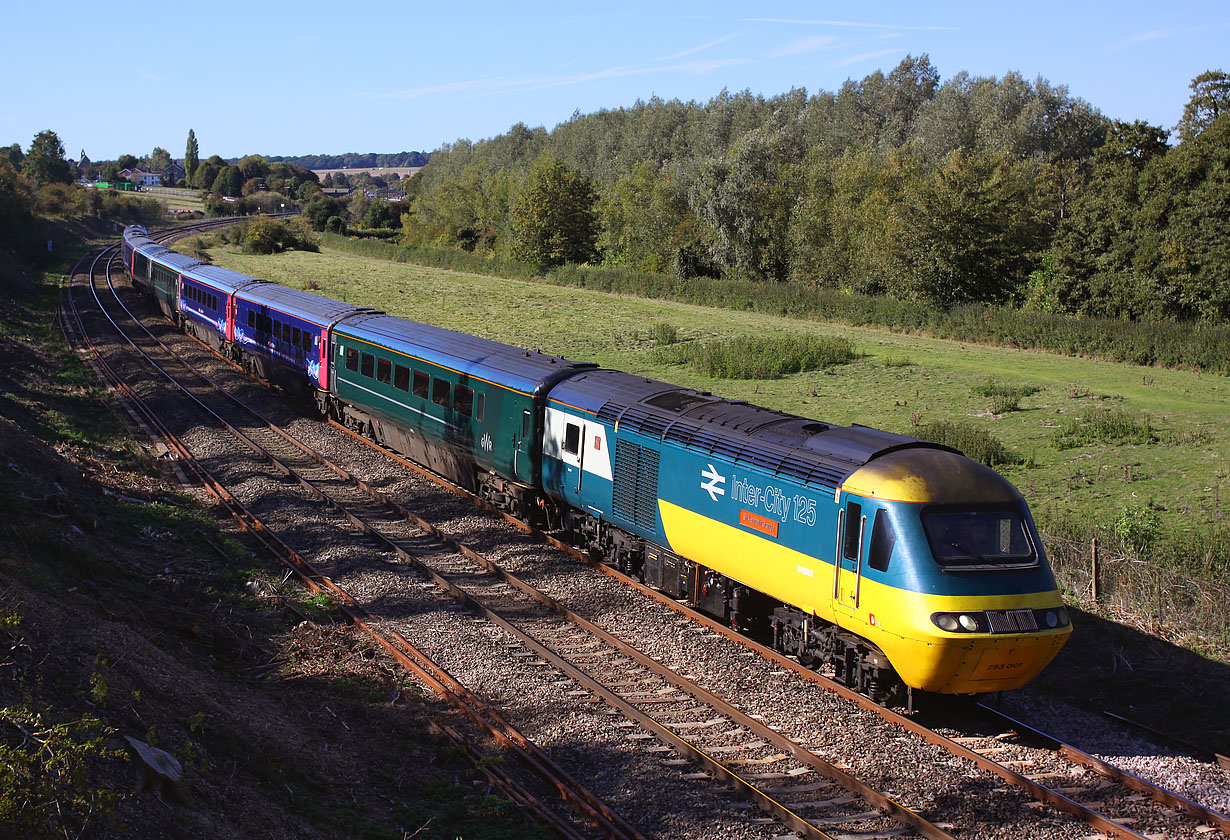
(894, 561)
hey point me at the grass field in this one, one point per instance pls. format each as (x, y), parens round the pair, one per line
(178, 201)
(896, 382)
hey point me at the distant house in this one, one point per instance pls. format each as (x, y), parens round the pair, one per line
(173, 173)
(393, 196)
(141, 178)
(85, 168)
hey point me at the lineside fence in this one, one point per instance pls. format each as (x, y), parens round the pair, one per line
(1177, 607)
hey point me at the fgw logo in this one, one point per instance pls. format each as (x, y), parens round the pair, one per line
(715, 486)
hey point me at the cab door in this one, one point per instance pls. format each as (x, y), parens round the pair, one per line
(848, 574)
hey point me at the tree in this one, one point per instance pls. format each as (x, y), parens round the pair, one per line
(192, 156)
(229, 181)
(159, 159)
(553, 217)
(127, 162)
(45, 162)
(13, 155)
(1210, 99)
(207, 172)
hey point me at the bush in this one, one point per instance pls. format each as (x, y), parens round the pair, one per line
(758, 357)
(973, 441)
(262, 235)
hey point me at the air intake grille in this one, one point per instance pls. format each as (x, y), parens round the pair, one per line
(636, 484)
(1012, 621)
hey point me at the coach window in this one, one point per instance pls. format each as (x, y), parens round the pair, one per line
(525, 424)
(307, 341)
(463, 401)
(277, 330)
(367, 364)
(480, 406)
(252, 318)
(850, 548)
(420, 384)
(572, 438)
(440, 392)
(384, 371)
(352, 359)
(401, 378)
(883, 538)
(297, 334)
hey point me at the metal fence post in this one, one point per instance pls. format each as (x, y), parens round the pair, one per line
(1094, 571)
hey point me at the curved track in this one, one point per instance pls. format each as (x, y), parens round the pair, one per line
(803, 791)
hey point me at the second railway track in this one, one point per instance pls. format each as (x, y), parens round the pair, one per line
(789, 741)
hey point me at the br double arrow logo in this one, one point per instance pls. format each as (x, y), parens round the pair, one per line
(715, 486)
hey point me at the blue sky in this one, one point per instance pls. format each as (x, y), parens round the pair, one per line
(309, 77)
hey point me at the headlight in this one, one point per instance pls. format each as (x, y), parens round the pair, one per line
(958, 622)
(945, 621)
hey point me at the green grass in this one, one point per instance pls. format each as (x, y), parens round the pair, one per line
(898, 382)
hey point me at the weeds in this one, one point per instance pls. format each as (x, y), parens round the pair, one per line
(1004, 398)
(1105, 426)
(663, 334)
(758, 357)
(973, 441)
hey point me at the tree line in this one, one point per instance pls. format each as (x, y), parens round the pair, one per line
(353, 160)
(989, 190)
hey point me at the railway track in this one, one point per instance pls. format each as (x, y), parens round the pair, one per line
(805, 792)
(649, 696)
(590, 809)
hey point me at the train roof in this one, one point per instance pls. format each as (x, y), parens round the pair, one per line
(300, 304)
(513, 367)
(222, 278)
(810, 450)
(181, 263)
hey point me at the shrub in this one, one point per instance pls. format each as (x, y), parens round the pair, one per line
(262, 235)
(973, 441)
(1138, 527)
(46, 784)
(1105, 426)
(758, 357)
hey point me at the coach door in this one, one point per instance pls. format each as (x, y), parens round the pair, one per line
(847, 578)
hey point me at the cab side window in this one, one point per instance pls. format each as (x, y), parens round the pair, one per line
(850, 545)
(883, 538)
